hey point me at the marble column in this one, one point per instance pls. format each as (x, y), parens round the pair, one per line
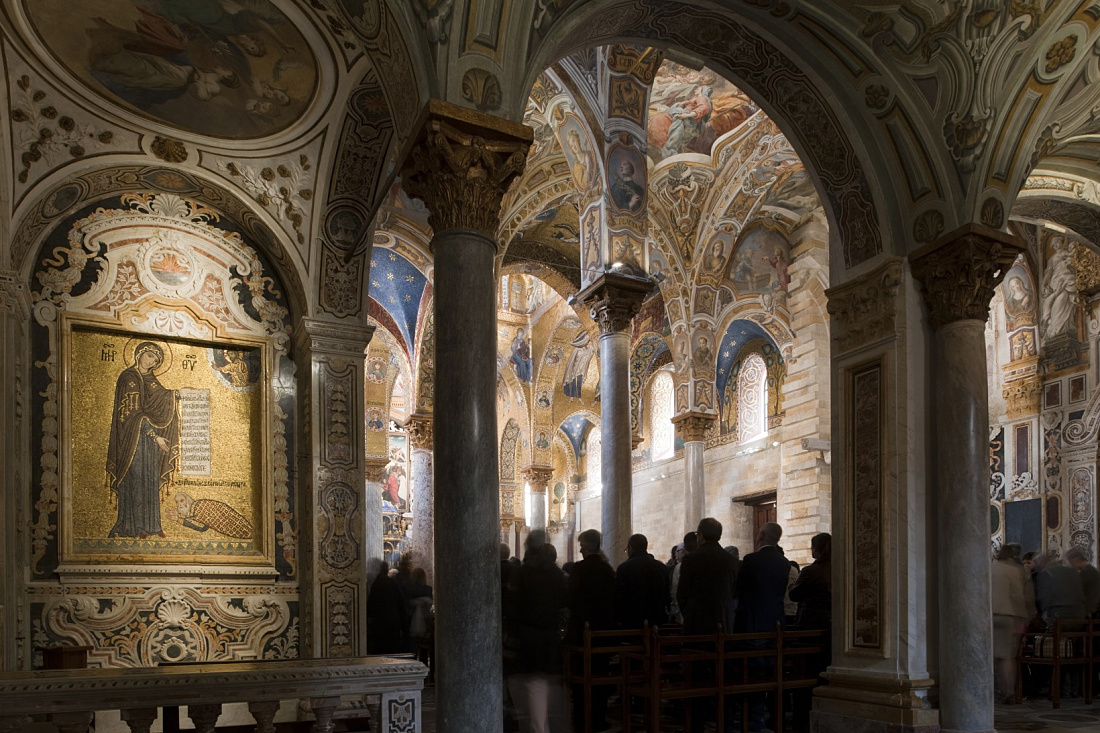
(14, 316)
(538, 478)
(461, 165)
(331, 358)
(692, 428)
(373, 536)
(419, 428)
(613, 300)
(958, 274)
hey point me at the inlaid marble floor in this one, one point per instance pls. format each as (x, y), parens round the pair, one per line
(1074, 715)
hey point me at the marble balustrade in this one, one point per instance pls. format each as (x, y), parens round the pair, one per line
(70, 697)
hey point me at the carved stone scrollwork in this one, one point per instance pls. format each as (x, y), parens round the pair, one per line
(959, 272)
(864, 310)
(462, 166)
(614, 300)
(1022, 397)
(538, 476)
(693, 426)
(1086, 264)
(419, 428)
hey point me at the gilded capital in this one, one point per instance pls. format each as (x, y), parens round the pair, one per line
(959, 272)
(614, 300)
(1023, 397)
(462, 164)
(538, 476)
(374, 470)
(693, 426)
(419, 427)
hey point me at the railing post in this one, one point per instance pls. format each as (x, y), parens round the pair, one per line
(140, 720)
(205, 717)
(323, 708)
(264, 713)
(72, 722)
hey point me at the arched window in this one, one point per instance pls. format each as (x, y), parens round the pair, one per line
(595, 460)
(662, 435)
(752, 399)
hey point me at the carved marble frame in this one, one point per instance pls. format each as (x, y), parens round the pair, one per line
(70, 562)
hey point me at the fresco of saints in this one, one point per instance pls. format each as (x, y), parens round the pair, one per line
(521, 356)
(577, 366)
(583, 165)
(143, 451)
(626, 193)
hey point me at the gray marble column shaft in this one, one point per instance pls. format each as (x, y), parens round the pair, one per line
(373, 539)
(695, 494)
(467, 585)
(423, 510)
(615, 471)
(961, 408)
(538, 509)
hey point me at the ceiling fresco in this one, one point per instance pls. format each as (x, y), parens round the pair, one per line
(397, 285)
(738, 333)
(233, 69)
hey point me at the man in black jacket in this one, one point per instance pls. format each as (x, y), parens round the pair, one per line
(641, 586)
(705, 592)
(591, 596)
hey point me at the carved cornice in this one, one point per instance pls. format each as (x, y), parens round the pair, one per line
(538, 476)
(1022, 397)
(864, 310)
(374, 470)
(462, 164)
(329, 337)
(693, 426)
(419, 427)
(614, 300)
(959, 271)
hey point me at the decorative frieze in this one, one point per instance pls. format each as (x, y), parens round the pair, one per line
(865, 310)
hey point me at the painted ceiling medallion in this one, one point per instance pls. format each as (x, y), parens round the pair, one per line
(232, 69)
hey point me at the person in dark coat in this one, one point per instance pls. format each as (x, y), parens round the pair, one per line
(641, 585)
(705, 591)
(591, 600)
(536, 600)
(761, 587)
(385, 614)
(813, 594)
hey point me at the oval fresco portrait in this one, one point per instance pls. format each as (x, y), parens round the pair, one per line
(224, 68)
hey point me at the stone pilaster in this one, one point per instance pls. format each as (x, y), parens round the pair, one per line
(958, 275)
(14, 316)
(332, 464)
(461, 166)
(419, 429)
(692, 428)
(613, 301)
(538, 478)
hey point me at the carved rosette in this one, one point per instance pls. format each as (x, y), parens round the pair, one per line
(374, 470)
(959, 272)
(419, 428)
(864, 310)
(1022, 397)
(693, 426)
(462, 165)
(614, 300)
(538, 477)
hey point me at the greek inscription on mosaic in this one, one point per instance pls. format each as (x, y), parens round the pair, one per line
(195, 432)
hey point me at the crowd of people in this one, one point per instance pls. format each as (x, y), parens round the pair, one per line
(1030, 593)
(703, 587)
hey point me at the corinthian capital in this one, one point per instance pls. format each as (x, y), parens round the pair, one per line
(959, 271)
(462, 164)
(538, 476)
(693, 426)
(419, 427)
(614, 300)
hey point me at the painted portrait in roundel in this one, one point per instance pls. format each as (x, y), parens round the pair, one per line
(233, 69)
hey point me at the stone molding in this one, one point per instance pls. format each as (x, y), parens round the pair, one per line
(613, 300)
(1023, 397)
(693, 426)
(865, 309)
(959, 272)
(462, 164)
(538, 476)
(338, 339)
(419, 427)
(374, 470)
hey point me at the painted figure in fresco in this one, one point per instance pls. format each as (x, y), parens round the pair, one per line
(716, 260)
(1059, 290)
(577, 366)
(143, 451)
(779, 263)
(689, 120)
(627, 193)
(704, 356)
(521, 356)
(584, 161)
(1019, 302)
(393, 485)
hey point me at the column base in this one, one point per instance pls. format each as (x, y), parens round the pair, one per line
(862, 703)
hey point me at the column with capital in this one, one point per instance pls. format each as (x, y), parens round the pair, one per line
(460, 166)
(14, 318)
(692, 428)
(421, 497)
(538, 478)
(374, 473)
(613, 300)
(334, 580)
(958, 274)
